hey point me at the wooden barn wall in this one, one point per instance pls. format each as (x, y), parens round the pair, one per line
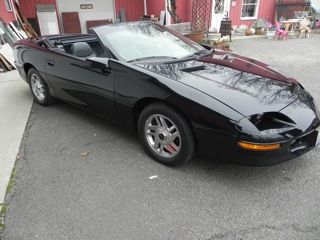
(155, 7)
(266, 11)
(134, 9)
(184, 10)
(5, 15)
(28, 7)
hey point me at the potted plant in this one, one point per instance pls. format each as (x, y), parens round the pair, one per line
(271, 31)
(260, 25)
(199, 19)
(197, 29)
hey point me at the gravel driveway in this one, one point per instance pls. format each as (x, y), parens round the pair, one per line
(107, 193)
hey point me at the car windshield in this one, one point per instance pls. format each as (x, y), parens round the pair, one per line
(138, 41)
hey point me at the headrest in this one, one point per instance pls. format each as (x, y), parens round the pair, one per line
(81, 49)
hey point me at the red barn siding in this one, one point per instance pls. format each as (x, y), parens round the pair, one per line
(134, 9)
(184, 10)
(4, 14)
(28, 7)
(155, 7)
(266, 11)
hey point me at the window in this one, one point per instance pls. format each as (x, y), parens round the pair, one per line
(219, 6)
(8, 5)
(249, 9)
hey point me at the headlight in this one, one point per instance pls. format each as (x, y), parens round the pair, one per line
(266, 123)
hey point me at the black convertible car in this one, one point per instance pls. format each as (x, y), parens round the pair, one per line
(181, 97)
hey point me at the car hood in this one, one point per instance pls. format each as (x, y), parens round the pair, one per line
(245, 85)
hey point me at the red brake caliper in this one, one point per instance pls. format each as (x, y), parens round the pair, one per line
(171, 148)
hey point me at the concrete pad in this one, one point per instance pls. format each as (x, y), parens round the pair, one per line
(15, 104)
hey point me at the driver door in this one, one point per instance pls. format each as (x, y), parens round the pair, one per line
(86, 84)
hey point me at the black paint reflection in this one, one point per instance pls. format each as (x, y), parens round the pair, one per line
(265, 90)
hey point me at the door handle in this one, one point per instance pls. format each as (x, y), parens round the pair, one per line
(50, 63)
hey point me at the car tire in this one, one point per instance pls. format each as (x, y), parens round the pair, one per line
(39, 88)
(166, 135)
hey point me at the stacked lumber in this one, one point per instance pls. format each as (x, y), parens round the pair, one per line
(6, 58)
(13, 33)
(22, 20)
(5, 65)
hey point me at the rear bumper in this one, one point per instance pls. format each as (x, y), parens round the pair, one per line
(226, 149)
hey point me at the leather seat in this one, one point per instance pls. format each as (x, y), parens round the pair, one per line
(82, 50)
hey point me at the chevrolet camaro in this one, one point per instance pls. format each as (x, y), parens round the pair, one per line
(181, 98)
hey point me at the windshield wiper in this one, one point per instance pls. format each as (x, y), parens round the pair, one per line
(195, 55)
(200, 53)
(147, 58)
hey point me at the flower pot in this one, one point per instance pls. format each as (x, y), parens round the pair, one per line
(196, 36)
(270, 34)
(260, 31)
(250, 31)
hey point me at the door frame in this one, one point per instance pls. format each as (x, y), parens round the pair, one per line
(215, 19)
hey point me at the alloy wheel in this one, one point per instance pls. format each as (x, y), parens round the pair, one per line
(162, 135)
(37, 87)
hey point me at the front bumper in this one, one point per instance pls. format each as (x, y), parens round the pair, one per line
(226, 149)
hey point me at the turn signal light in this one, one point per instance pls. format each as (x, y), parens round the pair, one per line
(259, 147)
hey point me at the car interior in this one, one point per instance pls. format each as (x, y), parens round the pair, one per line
(81, 47)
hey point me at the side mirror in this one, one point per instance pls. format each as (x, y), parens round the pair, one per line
(99, 62)
(207, 46)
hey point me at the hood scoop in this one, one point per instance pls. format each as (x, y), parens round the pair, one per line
(193, 69)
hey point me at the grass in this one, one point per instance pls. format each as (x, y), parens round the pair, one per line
(3, 206)
(3, 211)
(12, 180)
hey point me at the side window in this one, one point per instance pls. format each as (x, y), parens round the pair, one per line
(41, 43)
(60, 48)
(99, 50)
(56, 45)
(86, 49)
(80, 49)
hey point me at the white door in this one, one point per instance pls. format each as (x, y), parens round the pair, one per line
(48, 22)
(220, 8)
